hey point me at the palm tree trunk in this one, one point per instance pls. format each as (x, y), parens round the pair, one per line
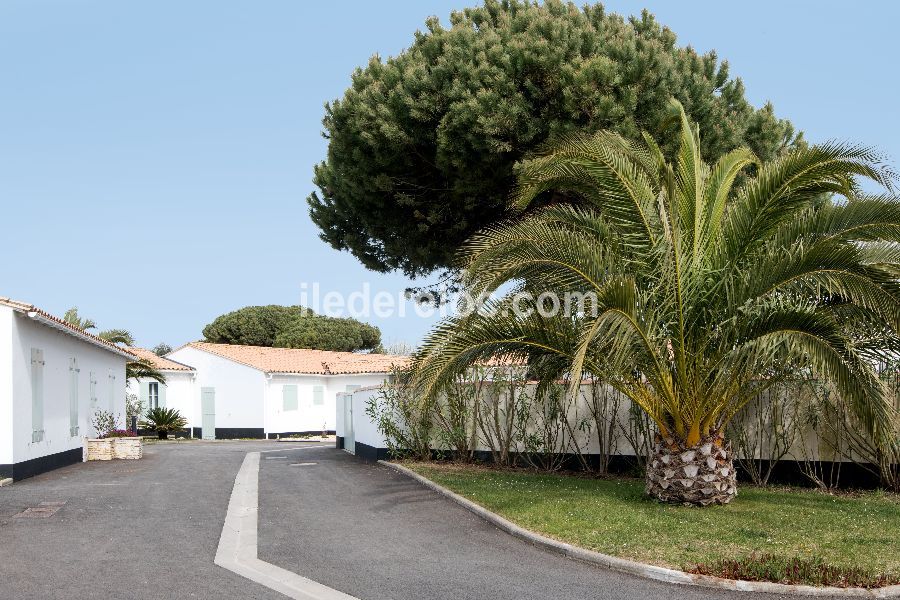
(694, 476)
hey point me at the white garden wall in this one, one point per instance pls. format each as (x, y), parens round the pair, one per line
(359, 433)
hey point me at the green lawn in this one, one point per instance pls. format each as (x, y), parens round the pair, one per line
(614, 517)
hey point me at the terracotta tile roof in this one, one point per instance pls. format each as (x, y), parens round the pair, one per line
(160, 362)
(299, 360)
(57, 323)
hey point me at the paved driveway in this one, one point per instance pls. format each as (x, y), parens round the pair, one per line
(128, 529)
(377, 535)
(150, 528)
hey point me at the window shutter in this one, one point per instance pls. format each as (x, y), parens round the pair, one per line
(73, 397)
(289, 397)
(112, 392)
(37, 395)
(162, 394)
(145, 394)
(352, 388)
(318, 395)
(93, 390)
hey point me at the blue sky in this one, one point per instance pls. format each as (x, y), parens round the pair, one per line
(155, 156)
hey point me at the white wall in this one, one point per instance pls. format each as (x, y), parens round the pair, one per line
(6, 386)
(239, 389)
(308, 416)
(364, 429)
(59, 348)
(178, 391)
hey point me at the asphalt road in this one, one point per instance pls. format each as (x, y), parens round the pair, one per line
(150, 529)
(377, 535)
(128, 529)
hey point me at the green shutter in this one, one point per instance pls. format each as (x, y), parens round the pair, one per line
(318, 395)
(161, 390)
(112, 392)
(289, 397)
(145, 394)
(93, 390)
(73, 397)
(37, 395)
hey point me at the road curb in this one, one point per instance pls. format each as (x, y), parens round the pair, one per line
(641, 569)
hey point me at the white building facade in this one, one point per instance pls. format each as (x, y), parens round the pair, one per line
(177, 391)
(53, 379)
(261, 392)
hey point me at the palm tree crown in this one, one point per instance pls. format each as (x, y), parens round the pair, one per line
(700, 292)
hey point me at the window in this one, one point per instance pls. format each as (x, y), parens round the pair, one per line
(37, 395)
(73, 397)
(289, 397)
(153, 395)
(318, 395)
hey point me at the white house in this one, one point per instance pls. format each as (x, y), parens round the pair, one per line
(261, 392)
(177, 392)
(53, 378)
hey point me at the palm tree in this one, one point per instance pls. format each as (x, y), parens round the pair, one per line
(700, 293)
(143, 369)
(117, 336)
(140, 368)
(72, 318)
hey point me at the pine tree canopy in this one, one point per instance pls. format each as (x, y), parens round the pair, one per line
(422, 145)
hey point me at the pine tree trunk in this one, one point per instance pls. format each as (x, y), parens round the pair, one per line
(696, 476)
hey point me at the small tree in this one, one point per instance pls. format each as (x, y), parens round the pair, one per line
(161, 349)
(291, 327)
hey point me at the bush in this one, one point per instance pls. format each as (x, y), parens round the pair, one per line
(119, 433)
(103, 423)
(403, 421)
(164, 420)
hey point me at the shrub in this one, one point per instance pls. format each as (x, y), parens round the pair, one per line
(103, 423)
(117, 433)
(164, 420)
(403, 421)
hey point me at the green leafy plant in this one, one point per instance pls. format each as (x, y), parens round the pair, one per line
(699, 293)
(104, 422)
(163, 420)
(136, 369)
(422, 146)
(407, 425)
(291, 327)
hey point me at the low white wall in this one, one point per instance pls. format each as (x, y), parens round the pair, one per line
(364, 429)
(581, 430)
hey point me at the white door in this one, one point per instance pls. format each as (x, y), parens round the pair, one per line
(349, 441)
(208, 408)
